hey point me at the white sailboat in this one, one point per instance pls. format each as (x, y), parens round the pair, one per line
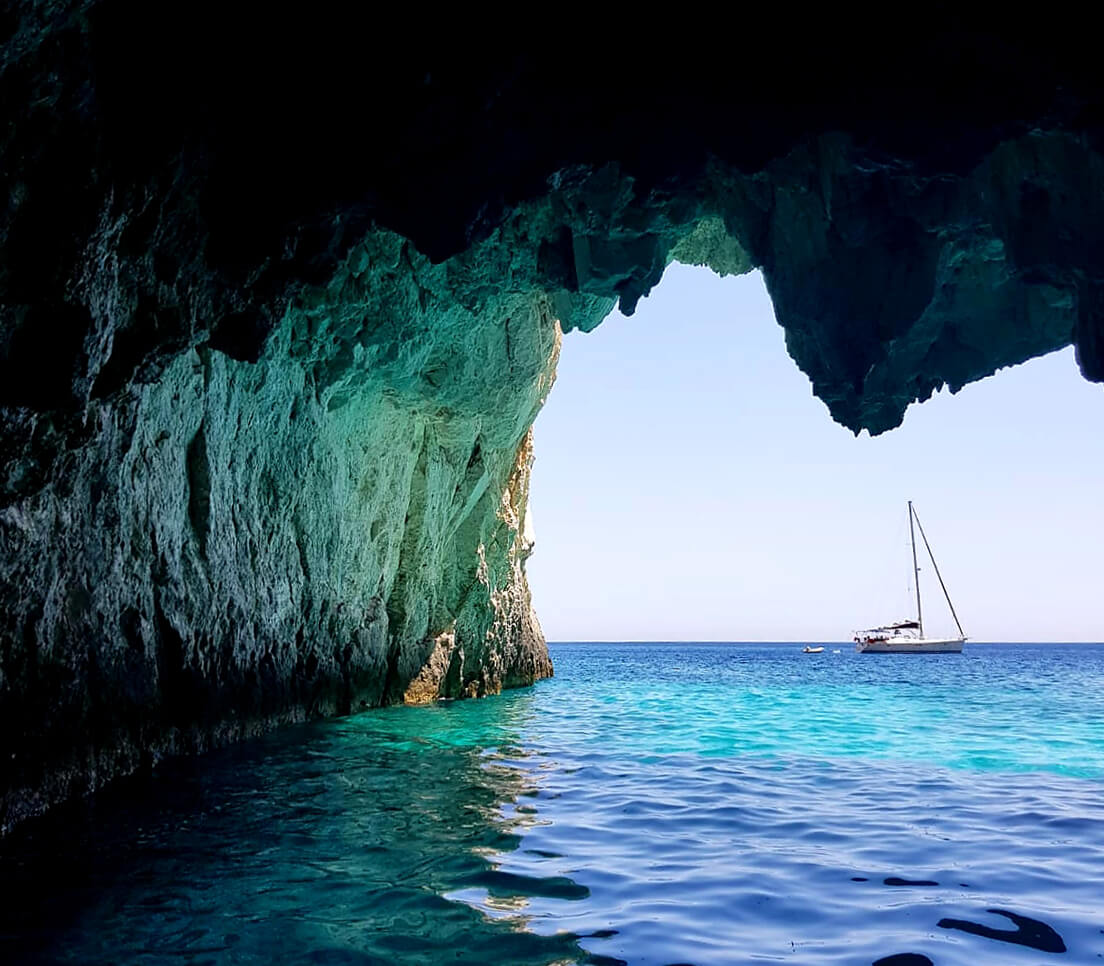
(907, 637)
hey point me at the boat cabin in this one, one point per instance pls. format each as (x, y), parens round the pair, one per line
(874, 635)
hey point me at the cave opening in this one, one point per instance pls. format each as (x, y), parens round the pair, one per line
(689, 486)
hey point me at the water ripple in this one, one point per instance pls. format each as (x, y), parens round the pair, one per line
(650, 805)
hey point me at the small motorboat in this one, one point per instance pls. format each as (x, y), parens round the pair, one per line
(809, 649)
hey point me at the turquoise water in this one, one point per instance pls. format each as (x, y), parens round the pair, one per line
(652, 804)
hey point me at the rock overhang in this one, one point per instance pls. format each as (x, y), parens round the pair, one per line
(292, 138)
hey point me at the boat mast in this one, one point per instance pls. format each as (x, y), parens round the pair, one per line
(931, 556)
(915, 569)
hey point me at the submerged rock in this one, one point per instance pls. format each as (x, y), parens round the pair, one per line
(279, 304)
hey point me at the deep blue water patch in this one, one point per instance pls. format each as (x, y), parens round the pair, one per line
(904, 959)
(1028, 932)
(652, 804)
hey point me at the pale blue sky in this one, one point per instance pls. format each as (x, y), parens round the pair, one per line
(689, 486)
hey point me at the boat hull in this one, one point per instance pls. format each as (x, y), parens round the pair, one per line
(913, 645)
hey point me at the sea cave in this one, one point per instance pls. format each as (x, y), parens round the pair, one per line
(280, 306)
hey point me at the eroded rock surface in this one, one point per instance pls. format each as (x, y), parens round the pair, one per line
(279, 303)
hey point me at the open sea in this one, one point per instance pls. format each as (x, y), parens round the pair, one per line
(651, 804)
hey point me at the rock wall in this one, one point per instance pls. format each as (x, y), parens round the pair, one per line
(278, 307)
(334, 526)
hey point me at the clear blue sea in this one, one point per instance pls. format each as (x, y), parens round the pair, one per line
(651, 804)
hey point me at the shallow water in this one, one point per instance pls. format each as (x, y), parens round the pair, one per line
(651, 804)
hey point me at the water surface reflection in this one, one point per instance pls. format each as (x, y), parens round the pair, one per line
(334, 842)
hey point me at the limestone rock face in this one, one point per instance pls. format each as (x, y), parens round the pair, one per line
(280, 301)
(336, 525)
